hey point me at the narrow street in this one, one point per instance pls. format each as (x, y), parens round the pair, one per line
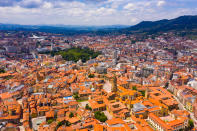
(21, 120)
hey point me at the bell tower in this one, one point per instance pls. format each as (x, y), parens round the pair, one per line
(146, 93)
(114, 85)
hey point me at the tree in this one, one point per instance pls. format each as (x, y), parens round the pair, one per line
(88, 107)
(190, 124)
(50, 121)
(71, 115)
(34, 115)
(100, 116)
(66, 123)
(134, 88)
(76, 96)
(2, 70)
(143, 93)
(91, 75)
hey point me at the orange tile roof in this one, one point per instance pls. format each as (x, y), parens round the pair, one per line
(6, 95)
(159, 121)
(115, 129)
(74, 119)
(176, 122)
(98, 127)
(115, 121)
(50, 114)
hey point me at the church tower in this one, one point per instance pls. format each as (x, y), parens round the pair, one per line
(146, 93)
(114, 85)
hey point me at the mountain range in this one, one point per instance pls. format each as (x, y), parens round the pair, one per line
(180, 24)
(184, 25)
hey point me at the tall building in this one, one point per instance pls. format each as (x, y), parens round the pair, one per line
(52, 46)
(146, 93)
(115, 54)
(115, 57)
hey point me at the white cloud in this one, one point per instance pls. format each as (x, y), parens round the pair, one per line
(47, 5)
(107, 12)
(161, 3)
(76, 12)
(73, 4)
(130, 6)
(134, 20)
(104, 11)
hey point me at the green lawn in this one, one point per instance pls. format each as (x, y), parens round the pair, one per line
(75, 54)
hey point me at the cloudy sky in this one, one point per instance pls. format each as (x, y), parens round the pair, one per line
(92, 12)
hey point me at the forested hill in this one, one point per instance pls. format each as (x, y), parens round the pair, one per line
(184, 24)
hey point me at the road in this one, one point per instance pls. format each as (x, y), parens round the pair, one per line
(181, 106)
